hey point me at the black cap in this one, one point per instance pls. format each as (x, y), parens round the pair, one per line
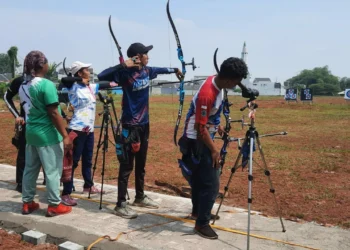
(138, 48)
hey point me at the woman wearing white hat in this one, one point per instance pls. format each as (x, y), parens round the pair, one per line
(82, 97)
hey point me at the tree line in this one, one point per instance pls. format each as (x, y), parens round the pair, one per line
(9, 64)
(320, 80)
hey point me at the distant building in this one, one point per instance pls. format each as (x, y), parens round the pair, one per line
(263, 84)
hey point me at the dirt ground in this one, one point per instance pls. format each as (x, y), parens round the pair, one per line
(310, 167)
(12, 241)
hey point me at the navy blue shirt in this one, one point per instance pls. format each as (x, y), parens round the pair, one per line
(135, 85)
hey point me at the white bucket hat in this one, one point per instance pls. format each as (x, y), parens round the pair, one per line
(76, 66)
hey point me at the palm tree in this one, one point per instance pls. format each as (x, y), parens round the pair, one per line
(12, 54)
(52, 74)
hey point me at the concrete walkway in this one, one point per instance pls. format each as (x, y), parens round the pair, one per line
(164, 228)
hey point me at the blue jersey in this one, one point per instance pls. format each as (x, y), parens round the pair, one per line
(135, 85)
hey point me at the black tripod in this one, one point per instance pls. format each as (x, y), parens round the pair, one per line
(247, 150)
(106, 120)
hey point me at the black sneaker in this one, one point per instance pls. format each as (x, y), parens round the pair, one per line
(19, 187)
(206, 232)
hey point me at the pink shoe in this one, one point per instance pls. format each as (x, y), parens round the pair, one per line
(94, 190)
(68, 201)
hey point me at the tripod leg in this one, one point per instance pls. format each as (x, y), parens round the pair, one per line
(103, 169)
(272, 190)
(105, 148)
(250, 179)
(233, 170)
(98, 149)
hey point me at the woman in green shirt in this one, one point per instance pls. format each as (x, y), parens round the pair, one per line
(45, 134)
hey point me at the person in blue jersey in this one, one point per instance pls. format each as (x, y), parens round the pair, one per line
(81, 95)
(134, 77)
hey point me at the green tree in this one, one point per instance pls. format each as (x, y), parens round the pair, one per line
(3, 88)
(52, 73)
(12, 54)
(320, 79)
(237, 90)
(324, 89)
(344, 83)
(4, 63)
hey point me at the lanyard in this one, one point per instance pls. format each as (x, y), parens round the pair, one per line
(93, 95)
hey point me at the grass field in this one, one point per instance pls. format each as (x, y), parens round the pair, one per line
(310, 167)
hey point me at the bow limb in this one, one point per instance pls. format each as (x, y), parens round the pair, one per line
(181, 87)
(183, 64)
(121, 58)
(64, 67)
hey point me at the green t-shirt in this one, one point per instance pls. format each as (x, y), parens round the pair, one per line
(40, 130)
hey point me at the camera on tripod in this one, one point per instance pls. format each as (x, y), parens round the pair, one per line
(105, 99)
(252, 94)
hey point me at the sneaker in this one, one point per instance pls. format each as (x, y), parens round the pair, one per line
(29, 207)
(68, 200)
(19, 187)
(125, 211)
(194, 217)
(94, 190)
(206, 232)
(58, 210)
(145, 202)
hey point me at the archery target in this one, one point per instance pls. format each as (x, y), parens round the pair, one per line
(291, 94)
(306, 95)
(347, 94)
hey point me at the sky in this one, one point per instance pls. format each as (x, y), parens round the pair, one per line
(283, 37)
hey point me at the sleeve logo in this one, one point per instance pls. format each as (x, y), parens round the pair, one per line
(203, 110)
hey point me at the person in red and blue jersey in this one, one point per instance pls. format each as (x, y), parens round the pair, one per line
(199, 153)
(134, 77)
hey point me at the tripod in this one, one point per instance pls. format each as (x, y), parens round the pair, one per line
(246, 153)
(106, 120)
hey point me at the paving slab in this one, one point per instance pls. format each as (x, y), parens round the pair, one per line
(70, 246)
(34, 237)
(163, 228)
